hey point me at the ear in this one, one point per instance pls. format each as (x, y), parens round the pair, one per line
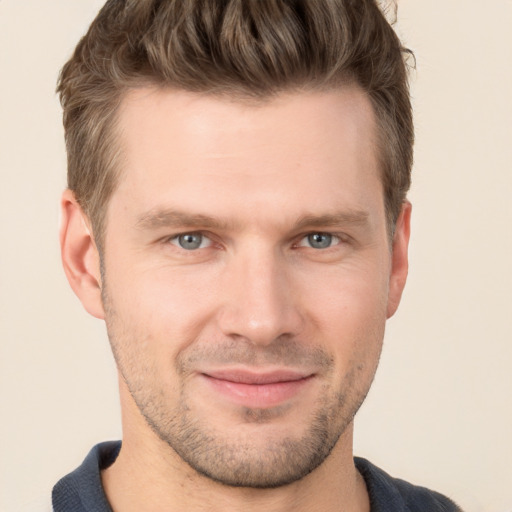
(399, 259)
(80, 256)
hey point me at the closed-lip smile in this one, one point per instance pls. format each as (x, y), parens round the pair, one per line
(258, 389)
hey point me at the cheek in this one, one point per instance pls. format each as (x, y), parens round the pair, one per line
(349, 313)
(164, 309)
(347, 296)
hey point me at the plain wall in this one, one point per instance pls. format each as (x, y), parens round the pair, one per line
(440, 411)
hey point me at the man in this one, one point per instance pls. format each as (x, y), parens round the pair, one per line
(237, 215)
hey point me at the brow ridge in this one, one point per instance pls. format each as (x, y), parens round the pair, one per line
(160, 218)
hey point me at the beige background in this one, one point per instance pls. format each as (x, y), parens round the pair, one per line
(440, 412)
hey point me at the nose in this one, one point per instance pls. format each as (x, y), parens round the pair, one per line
(259, 300)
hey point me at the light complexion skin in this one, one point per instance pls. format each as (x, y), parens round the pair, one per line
(247, 278)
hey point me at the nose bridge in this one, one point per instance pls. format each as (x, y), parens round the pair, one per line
(258, 296)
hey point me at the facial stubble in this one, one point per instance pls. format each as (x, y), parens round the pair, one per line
(271, 458)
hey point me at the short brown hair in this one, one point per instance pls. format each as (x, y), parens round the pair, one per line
(241, 48)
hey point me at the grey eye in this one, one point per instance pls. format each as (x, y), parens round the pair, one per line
(320, 240)
(190, 241)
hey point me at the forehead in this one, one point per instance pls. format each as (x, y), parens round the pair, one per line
(192, 148)
(345, 112)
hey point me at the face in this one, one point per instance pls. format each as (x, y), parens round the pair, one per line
(247, 276)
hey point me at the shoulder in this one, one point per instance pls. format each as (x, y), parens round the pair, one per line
(82, 490)
(393, 494)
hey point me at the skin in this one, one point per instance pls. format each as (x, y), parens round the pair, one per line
(252, 184)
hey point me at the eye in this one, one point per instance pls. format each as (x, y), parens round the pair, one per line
(191, 241)
(319, 240)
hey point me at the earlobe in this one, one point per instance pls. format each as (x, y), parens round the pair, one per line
(400, 259)
(80, 257)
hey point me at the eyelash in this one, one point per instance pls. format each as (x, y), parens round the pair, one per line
(336, 238)
(189, 233)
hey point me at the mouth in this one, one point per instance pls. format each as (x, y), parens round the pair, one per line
(257, 389)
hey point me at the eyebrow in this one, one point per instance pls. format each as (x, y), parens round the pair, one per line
(348, 217)
(169, 218)
(173, 219)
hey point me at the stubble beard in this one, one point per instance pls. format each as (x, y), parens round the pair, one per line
(271, 461)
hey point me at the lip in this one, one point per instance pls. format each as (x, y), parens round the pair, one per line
(257, 389)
